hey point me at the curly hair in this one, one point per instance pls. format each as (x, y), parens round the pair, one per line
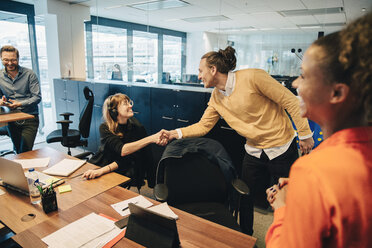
(223, 60)
(356, 59)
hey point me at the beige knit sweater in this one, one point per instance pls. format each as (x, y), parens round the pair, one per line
(255, 109)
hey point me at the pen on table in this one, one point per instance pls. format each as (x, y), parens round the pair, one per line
(128, 206)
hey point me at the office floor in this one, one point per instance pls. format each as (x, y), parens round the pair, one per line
(262, 219)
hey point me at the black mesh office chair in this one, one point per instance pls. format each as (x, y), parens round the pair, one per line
(4, 131)
(191, 180)
(71, 137)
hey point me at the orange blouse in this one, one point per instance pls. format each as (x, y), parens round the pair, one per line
(329, 197)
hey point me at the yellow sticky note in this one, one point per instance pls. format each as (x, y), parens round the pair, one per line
(64, 188)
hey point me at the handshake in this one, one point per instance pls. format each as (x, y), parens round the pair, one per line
(162, 137)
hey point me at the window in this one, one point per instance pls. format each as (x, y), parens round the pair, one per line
(172, 48)
(143, 53)
(145, 57)
(14, 31)
(19, 27)
(109, 49)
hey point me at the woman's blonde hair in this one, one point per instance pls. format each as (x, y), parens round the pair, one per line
(110, 111)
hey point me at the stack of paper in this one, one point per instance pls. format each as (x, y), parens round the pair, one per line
(33, 163)
(123, 209)
(92, 230)
(65, 167)
(165, 210)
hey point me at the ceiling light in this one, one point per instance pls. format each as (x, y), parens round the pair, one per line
(303, 12)
(114, 7)
(322, 25)
(159, 4)
(206, 19)
(289, 28)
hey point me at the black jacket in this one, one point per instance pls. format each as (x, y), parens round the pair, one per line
(212, 149)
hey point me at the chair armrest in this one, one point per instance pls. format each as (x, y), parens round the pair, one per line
(65, 124)
(240, 186)
(161, 192)
(83, 155)
(66, 115)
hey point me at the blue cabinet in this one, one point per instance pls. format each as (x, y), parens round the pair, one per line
(175, 108)
(141, 97)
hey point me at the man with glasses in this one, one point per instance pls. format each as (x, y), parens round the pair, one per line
(20, 89)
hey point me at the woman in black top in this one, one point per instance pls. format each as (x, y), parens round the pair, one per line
(124, 143)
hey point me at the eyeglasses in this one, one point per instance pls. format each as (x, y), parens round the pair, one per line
(10, 60)
(129, 103)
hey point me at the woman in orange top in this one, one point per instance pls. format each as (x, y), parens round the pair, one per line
(326, 202)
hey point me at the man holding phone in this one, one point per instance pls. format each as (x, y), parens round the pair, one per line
(19, 89)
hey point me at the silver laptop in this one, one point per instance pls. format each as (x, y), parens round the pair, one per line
(13, 176)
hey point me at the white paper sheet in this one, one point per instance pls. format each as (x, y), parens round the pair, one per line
(33, 163)
(164, 209)
(65, 167)
(2, 192)
(138, 200)
(81, 232)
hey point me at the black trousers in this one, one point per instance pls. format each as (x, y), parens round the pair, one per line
(23, 134)
(260, 174)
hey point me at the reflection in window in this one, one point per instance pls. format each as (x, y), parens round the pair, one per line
(109, 52)
(172, 47)
(145, 57)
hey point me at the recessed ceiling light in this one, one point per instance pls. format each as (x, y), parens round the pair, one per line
(304, 12)
(159, 4)
(364, 9)
(206, 19)
(114, 7)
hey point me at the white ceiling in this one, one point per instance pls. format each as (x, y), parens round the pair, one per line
(262, 15)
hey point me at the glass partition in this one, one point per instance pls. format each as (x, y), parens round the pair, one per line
(109, 52)
(172, 57)
(145, 57)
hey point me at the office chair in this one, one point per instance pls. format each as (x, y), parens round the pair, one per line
(194, 182)
(71, 137)
(4, 131)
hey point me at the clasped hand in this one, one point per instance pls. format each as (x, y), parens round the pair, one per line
(12, 104)
(277, 193)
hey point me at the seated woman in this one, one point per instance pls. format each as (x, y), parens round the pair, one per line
(124, 144)
(326, 200)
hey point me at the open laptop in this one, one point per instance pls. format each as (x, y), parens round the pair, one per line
(13, 177)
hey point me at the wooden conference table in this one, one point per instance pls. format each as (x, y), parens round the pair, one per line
(193, 231)
(19, 214)
(10, 117)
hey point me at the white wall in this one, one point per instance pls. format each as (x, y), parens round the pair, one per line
(64, 27)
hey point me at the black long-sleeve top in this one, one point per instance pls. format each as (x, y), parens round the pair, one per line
(138, 165)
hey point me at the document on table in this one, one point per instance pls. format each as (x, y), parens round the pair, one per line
(92, 230)
(164, 209)
(65, 167)
(123, 209)
(33, 163)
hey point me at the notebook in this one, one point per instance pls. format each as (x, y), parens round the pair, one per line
(13, 177)
(65, 167)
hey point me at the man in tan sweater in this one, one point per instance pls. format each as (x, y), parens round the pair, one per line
(253, 104)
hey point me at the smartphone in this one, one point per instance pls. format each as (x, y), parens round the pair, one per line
(122, 223)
